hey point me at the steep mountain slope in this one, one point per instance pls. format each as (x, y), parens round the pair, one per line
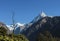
(45, 24)
(22, 27)
(41, 15)
(19, 28)
(4, 26)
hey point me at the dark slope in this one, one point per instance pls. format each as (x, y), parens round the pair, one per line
(4, 26)
(45, 24)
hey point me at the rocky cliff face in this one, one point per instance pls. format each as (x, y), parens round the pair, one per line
(44, 24)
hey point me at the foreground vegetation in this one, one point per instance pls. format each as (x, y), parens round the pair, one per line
(44, 35)
(11, 37)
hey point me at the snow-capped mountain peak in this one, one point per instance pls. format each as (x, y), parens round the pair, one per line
(43, 14)
(16, 25)
(19, 24)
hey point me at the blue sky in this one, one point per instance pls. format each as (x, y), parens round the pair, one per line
(26, 10)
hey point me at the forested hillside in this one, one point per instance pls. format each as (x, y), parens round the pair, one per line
(11, 37)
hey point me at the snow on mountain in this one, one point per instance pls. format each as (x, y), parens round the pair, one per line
(19, 24)
(10, 27)
(18, 27)
(51, 16)
(22, 26)
(43, 14)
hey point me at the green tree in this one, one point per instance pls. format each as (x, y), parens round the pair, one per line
(3, 31)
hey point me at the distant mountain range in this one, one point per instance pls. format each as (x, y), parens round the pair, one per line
(18, 28)
(38, 25)
(23, 27)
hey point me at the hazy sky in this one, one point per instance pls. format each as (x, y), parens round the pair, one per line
(26, 10)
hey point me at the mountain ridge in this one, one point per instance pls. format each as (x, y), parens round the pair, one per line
(44, 24)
